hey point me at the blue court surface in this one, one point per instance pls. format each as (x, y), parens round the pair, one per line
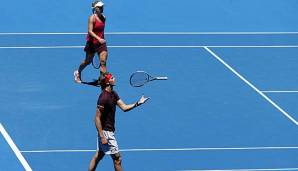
(230, 102)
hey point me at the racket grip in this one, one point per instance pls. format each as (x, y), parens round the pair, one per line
(161, 78)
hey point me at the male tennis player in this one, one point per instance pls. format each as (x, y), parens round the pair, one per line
(105, 121)
(96, 42)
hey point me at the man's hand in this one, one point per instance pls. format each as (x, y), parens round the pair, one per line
(103, 140)
(142, 100)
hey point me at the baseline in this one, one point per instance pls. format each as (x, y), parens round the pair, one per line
(151, 46)
(170, 149)
(265, 169)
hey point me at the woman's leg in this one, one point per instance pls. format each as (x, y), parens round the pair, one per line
(103, 57)
(85, 62)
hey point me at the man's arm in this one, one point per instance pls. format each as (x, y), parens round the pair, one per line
(127, 107)
(98, 124)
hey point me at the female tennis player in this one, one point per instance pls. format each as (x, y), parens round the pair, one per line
(96, 42)
(105, 121)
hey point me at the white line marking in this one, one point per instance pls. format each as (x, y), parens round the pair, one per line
(169, 149)
(200, 33)
(273, 169)
(156, 33)
(40, 47)
(254, 46)
(252, 86)
(50, 33)
(151, 46)
(55, 151)
(284, 91)
(15, 148)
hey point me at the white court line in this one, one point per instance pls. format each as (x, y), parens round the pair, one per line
(252, 86)
(14, 148)
(273, 169)
(284, 91)
(56, 151)
(154, 33)
(40, 47)
(168, 149)
(151, 46)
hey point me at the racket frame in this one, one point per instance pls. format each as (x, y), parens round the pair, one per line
(149, 78)
(95, 58)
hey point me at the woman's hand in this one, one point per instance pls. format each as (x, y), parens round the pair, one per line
(101, 41)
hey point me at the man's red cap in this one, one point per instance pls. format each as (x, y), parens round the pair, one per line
(107, 77)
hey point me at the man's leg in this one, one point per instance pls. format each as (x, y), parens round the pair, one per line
(117, 161)
(95, 160)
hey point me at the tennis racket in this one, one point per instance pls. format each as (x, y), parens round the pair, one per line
(96, 62)
(140, 78)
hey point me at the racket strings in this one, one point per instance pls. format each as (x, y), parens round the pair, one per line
(96, 62)
(139, 79)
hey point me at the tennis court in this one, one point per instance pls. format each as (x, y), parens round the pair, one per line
(229, 103)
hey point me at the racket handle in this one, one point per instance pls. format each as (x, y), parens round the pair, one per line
(161, 78)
